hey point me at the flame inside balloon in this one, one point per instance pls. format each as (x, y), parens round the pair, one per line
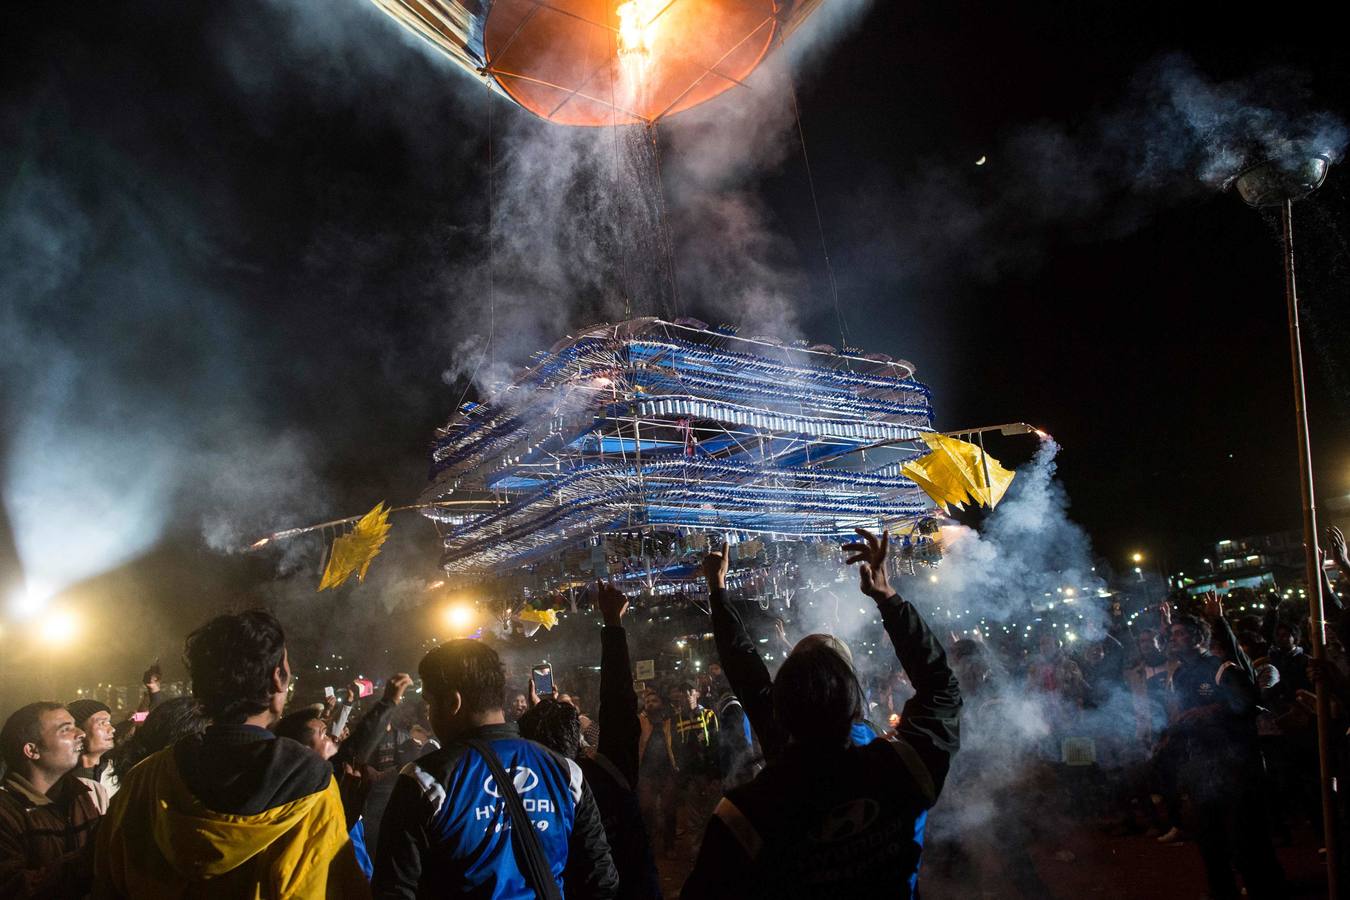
(638, 25)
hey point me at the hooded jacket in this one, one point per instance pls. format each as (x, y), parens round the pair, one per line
(236, 812)
(838, 822)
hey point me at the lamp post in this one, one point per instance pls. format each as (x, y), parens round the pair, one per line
(1279, 181)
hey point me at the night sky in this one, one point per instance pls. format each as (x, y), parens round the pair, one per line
(246, 234)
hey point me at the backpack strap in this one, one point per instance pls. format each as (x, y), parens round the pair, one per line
(537, 872)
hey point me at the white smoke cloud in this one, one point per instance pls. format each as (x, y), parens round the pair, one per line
(1027, 549)
(1172, 135)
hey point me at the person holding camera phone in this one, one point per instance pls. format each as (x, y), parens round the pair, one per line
(612, 769)
(1212, 736)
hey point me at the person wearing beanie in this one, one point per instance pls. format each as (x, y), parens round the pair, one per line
(95, 720)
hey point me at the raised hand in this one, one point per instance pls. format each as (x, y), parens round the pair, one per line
(871, 552)
(611, 601)
(396, 687)
(715, 566)
(1213, 605)
(1336, 541)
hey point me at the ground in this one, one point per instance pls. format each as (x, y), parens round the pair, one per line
(1088, 863)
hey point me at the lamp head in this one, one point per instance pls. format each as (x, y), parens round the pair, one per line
(1287, 176)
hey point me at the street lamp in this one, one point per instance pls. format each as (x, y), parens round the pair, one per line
(460, 617)
(59, 629)
(28, 599)
(1137, 557)
(1291, 175)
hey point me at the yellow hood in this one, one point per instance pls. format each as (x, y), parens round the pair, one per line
(200, 843)
(297, 850)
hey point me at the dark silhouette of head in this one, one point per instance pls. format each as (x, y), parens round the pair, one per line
(816, 696)
(463, 683)
(238, 666)
(554, 724)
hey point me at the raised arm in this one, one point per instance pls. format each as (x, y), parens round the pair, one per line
(749, 677)
(1335, 611)
(620, 729)
(931, 721)
(366, 734)
(1244, 695)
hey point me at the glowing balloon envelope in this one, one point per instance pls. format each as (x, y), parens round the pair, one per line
(605, 62)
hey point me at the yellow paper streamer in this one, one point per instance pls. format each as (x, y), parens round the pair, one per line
(546, 617)
(353, 552)
(958, 472)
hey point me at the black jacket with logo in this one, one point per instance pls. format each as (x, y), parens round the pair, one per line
(844, 822)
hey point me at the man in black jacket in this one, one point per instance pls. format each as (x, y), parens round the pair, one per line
(1213, 734)
(612, 772)
(829, 818)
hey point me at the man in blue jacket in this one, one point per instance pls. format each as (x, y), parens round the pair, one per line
(447, 830)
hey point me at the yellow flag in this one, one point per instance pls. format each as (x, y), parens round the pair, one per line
(353, 552)
(546, 617)
(958, 472)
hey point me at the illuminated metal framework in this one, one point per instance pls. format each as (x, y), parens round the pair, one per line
(624, 447)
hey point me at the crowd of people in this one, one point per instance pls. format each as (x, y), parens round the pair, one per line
(810, 781)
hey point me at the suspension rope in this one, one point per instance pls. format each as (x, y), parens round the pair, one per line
(624, 274)
(669, 245)
(491, 248)
(491, 235)
(820, 222)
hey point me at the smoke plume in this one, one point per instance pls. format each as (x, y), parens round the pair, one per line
(1172, 135)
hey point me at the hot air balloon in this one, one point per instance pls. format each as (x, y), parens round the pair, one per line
(605, 62)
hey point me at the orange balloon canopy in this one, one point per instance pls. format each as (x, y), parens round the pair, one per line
(605, 62)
